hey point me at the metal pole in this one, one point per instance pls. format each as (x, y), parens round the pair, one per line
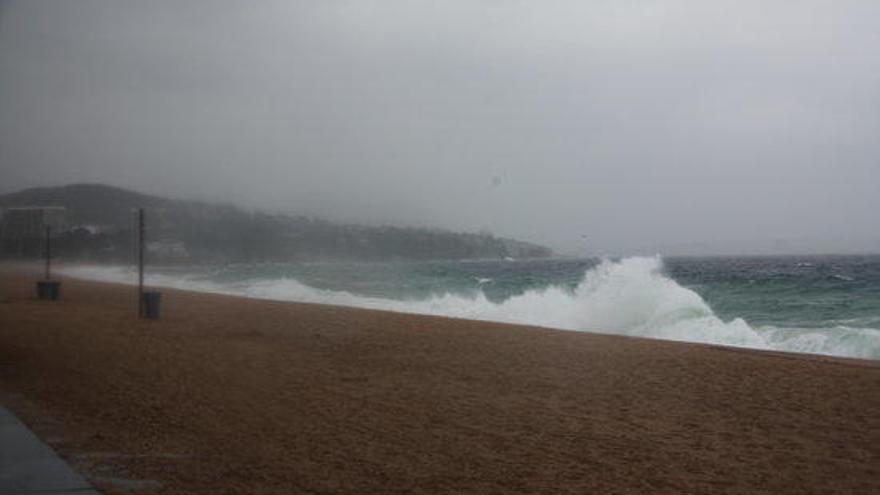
(140, 262)
(48, 250)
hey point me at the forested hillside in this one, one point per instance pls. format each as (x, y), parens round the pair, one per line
(99, 226)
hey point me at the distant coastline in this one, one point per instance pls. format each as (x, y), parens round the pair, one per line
(99, 222)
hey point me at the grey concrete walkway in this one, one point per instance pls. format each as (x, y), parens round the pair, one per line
(29, 466)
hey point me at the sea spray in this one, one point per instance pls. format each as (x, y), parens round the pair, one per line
(633, 296)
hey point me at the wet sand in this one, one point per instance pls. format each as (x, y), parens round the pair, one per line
(229, 395)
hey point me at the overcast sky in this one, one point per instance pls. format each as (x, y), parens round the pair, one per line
(593, 126)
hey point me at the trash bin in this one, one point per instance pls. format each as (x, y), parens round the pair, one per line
(152, 305)
(49, 290)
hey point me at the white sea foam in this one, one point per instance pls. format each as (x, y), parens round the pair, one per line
(628, 297)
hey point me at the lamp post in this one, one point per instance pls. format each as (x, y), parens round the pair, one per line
(48, 289)
(148, 301)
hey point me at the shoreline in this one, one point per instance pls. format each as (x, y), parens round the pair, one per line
(246, 395)
(376, 303)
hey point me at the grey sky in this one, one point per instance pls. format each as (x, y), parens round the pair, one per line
(614, 126)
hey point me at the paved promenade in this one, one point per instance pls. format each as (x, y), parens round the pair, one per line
(29, 466)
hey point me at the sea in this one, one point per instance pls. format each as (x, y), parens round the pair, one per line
(807, 304)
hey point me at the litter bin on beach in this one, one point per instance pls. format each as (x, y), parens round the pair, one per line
(152, 305)
(49, 290)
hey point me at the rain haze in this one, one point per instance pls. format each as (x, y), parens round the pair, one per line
(447, 246)
(680, 127)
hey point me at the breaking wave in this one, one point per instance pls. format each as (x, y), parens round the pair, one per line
(631, 297)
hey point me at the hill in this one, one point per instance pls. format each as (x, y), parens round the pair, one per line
(99, 222)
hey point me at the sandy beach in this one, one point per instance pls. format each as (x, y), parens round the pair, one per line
(229, 395)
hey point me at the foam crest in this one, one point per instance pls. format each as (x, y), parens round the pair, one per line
(631, 297)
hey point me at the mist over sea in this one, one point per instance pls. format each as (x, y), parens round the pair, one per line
(824, 305)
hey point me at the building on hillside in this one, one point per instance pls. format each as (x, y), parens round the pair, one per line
(168, 250)
(22, 229)
(31, 221)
